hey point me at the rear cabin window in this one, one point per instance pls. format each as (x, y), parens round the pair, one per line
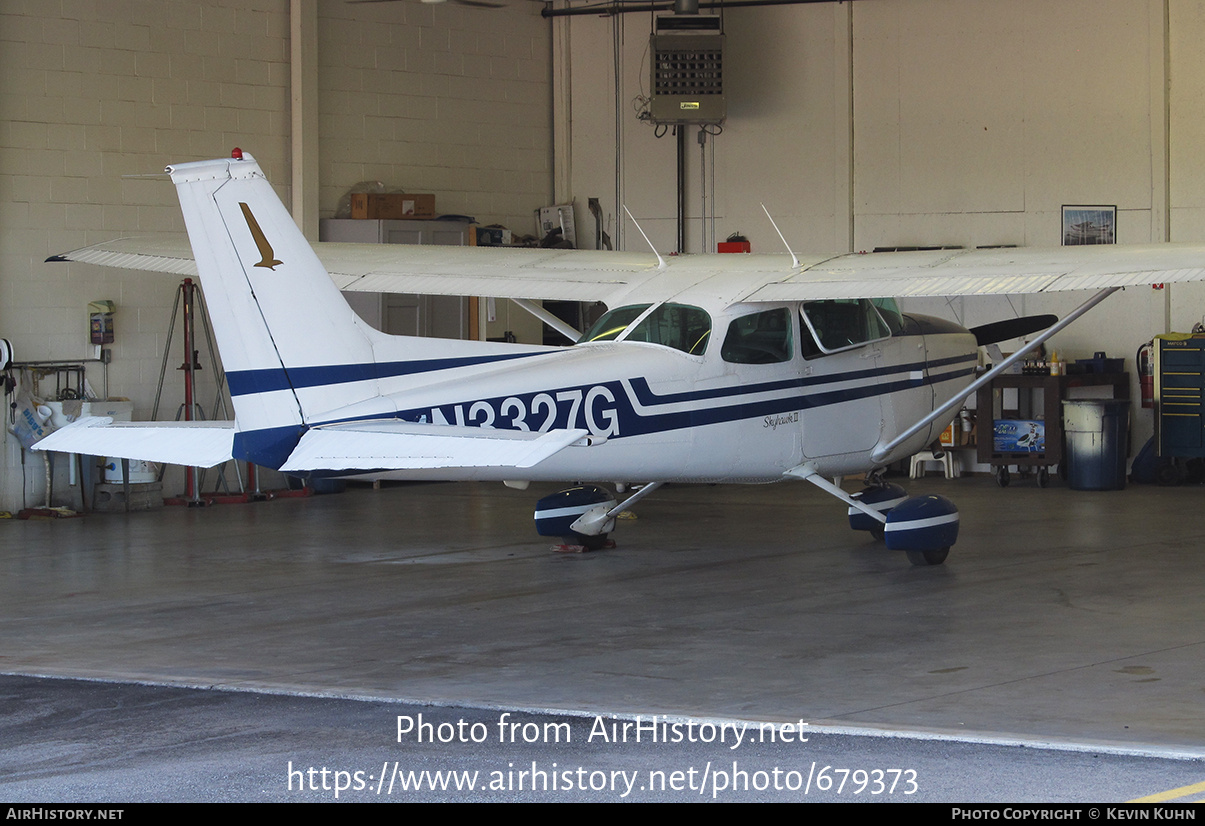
(759, 338)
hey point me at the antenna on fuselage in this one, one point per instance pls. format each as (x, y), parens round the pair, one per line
(660, 260)
(794, 260)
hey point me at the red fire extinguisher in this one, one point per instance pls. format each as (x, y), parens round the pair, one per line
(1145, 359)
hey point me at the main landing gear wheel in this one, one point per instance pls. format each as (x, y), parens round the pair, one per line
(1043, 477)
(590, 543)
(556, 513)
(928, 557)
(881, 497)
(1002, 477)
(924, 527)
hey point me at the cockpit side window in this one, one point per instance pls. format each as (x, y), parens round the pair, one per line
(841, 324)
(759, 338)
(680, 326)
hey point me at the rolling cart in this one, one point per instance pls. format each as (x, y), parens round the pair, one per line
(1036, 443)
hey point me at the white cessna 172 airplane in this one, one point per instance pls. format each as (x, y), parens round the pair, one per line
(707, 368)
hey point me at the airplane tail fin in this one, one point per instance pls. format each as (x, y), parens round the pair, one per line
(286, 334)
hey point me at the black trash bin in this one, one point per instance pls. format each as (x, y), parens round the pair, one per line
(1096, 431)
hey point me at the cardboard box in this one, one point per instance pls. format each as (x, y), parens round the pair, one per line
(392, 205)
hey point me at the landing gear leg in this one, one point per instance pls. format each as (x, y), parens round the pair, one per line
(923, 526)
(874, 478)
(583, 515)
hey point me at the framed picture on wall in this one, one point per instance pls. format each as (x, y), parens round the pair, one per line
(1089, 225)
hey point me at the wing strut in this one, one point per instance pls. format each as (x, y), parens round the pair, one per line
(563, 327)
(883, 451)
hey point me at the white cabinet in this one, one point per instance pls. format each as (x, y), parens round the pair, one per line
(441, 316)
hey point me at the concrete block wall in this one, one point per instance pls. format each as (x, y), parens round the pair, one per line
(93, 92)
(429, 98)
(441, 98)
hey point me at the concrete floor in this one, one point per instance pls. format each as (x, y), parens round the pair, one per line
(1061, 616)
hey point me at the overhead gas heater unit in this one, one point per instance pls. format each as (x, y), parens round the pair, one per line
(687, 69)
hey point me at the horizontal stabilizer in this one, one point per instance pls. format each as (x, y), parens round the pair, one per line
(1011, 328)
(406, 446)
(197, 444)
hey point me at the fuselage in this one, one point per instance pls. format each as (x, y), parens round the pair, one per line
(749, 397)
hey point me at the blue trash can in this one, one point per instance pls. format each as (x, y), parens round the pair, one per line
(1096, 431)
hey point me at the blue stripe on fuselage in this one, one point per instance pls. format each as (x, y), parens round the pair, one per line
(646, 396)
(246, 382)
(608, 409)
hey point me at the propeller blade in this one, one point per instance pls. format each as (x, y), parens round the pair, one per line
(1012, 328)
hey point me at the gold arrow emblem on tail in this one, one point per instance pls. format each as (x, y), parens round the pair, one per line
(268, 258)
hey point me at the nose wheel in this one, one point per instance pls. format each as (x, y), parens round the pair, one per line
(922, 558)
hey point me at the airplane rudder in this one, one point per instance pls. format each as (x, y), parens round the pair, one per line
(274, 307)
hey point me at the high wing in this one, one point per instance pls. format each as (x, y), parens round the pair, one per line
(589, 275)
(999, 271)
(572, 275)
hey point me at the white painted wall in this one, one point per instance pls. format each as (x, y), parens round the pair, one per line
(786, 141)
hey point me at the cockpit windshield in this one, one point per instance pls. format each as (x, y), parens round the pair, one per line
(679, 326)
(613, 323)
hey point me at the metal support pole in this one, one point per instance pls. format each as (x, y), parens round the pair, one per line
(188, 290)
